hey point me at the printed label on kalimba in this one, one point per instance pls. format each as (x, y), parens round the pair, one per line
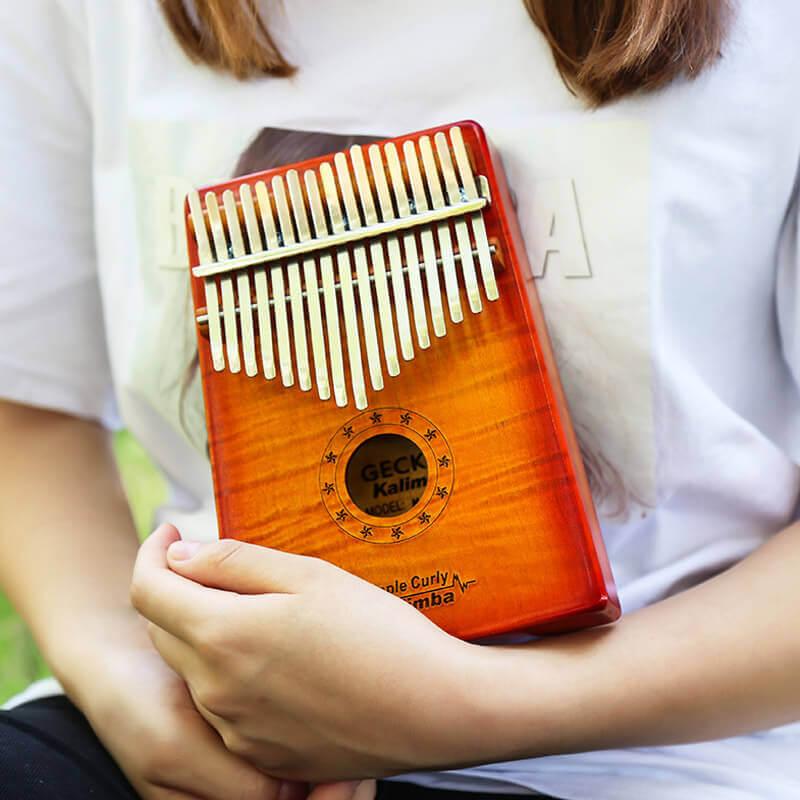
(440, 588)
(386, 475)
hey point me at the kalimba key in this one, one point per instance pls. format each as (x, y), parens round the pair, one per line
(418, 435)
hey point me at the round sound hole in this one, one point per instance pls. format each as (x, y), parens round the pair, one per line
(386, 475)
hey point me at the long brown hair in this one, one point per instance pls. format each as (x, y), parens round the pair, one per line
(604, 49)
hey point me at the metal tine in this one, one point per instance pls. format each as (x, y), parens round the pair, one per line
(260, 280)
(462, 231)
(426, 238)
(378, 262)
(478, 226)
(295, 287)
(209, 284)
(328, 290)
(409, 246)
(226, 285)
(278, 290)
(312, 286)
(242, 284)
(346, 283)
(393, 249)
(362, 273)
(442, 230)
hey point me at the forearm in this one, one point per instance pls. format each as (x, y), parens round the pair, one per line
(718, 660)
(67, 543)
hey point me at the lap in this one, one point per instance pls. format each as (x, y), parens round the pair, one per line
(48, 751)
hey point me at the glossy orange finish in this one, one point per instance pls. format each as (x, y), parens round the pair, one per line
(513, 543)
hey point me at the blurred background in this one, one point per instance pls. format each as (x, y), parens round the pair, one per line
(20, 662)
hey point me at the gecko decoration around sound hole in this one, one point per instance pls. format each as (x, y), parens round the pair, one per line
(386, 476)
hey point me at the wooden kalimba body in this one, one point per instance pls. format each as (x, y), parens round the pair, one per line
(380, 391)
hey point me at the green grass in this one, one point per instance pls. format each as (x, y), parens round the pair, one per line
(20, 662)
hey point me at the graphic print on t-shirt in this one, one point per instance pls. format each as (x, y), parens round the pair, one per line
(585, 223)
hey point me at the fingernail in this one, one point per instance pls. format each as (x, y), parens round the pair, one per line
(183, 551)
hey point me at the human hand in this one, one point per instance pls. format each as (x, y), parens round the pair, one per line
(302, 668)
(144, 715)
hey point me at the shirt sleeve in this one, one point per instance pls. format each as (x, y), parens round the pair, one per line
(52, 340)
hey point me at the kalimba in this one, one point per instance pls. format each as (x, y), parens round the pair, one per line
(380, 389)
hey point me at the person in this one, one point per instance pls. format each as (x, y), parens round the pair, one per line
(652, 147)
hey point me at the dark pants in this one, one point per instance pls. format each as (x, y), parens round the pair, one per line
(49, 752)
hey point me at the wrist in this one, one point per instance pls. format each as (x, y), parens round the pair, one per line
(85, 654)
(488, 682)
(551, 696)
(521, 701)
(465, 723)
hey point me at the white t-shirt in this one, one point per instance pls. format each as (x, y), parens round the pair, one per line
(662, 234)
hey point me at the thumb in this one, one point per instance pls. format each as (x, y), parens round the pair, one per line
(243, 568)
